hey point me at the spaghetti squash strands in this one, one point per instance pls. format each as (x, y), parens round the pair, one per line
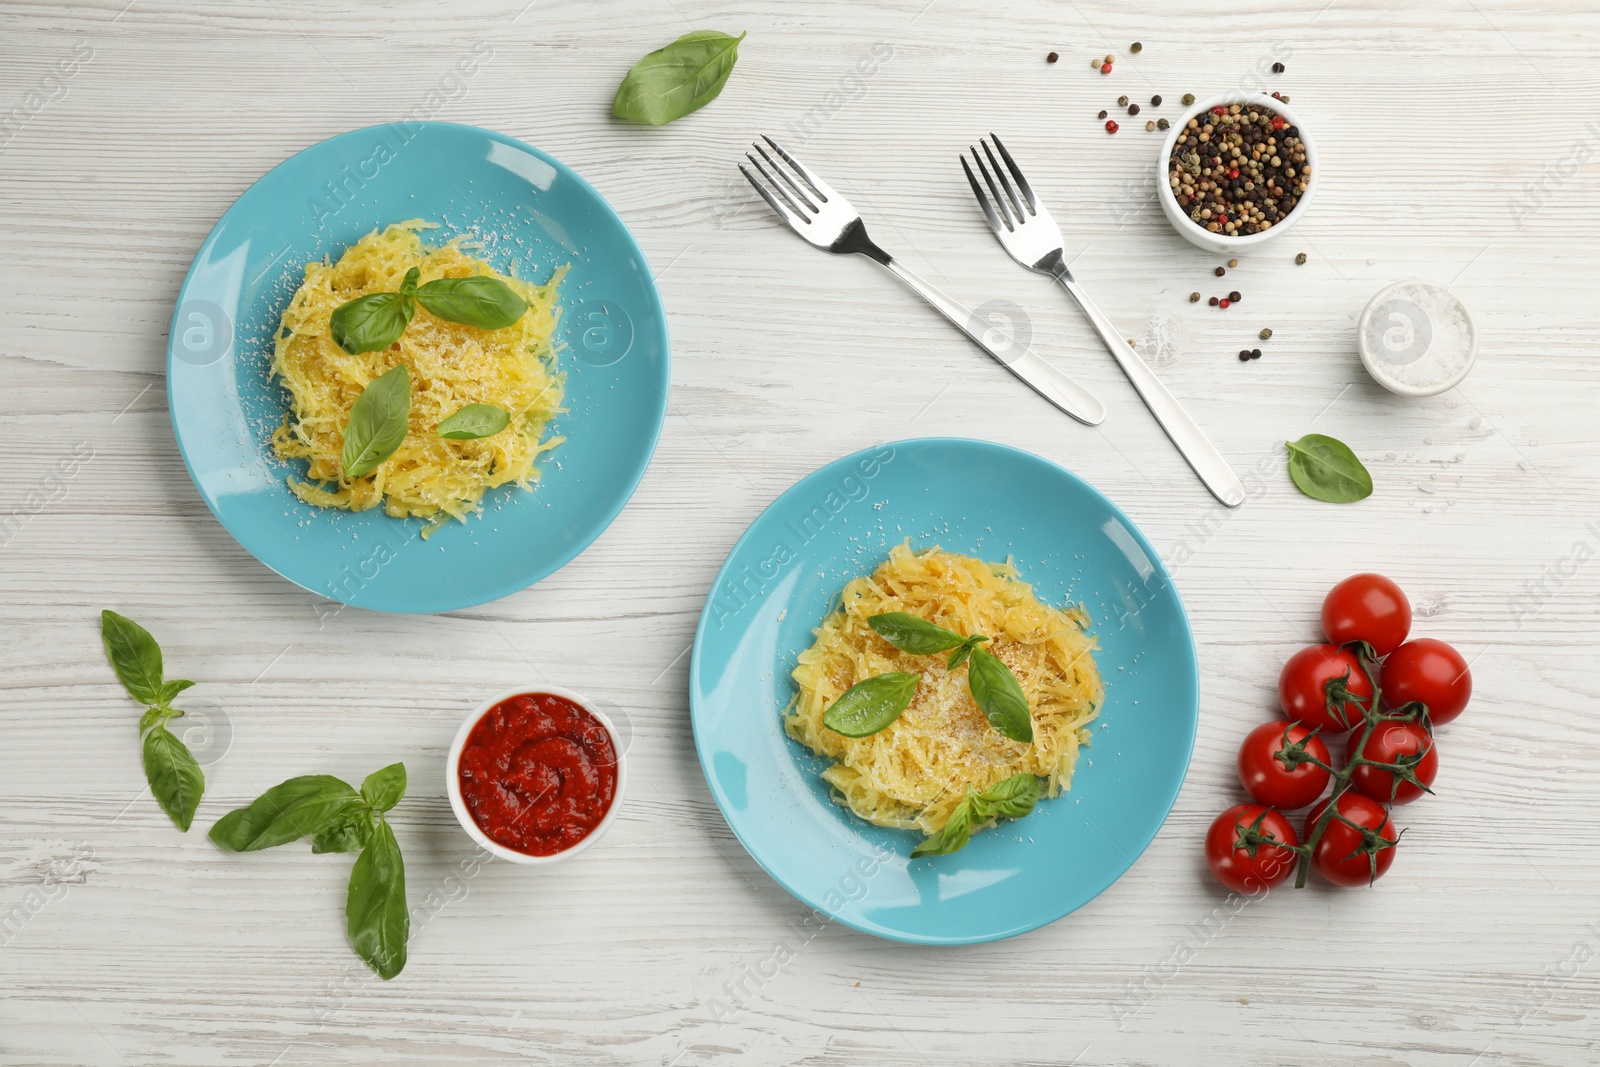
(913, 773)
(451, 365)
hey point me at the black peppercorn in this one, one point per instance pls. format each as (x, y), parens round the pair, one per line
(1221, 271)
(1051, 58)
(1155, 101)
(1277, 68)
(1133, 109)
(1235, 297)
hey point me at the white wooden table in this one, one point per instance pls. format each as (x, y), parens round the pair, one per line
(1455, 148)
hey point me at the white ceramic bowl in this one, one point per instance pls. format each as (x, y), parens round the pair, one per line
(1382, 361)
(458, 804)
(1198, 235)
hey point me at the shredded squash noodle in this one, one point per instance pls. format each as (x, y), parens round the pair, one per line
(913, 773)
(450, 364)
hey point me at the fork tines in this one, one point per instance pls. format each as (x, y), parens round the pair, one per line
(1004, 206)
(800, 199)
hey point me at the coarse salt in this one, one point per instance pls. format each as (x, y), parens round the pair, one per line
(1417, 338)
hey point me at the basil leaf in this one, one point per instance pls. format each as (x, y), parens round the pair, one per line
(1012, 798)
(349, 832)
(1324, 468)
(474, 421)
(959, 656)
(175, 778)
(952, 836)
(378, 421)
(911, 634)
(369, 323)
(683, 77)
(375, 910)
(134, 655)
(999, 695)
(481, 301)
(286, 812)
(384, 788)
(872, 704)
(173, 688)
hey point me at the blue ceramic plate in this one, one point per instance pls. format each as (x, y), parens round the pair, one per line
(532, 214)
(983, 500)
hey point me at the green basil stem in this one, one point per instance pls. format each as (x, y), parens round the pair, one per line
(175, 777)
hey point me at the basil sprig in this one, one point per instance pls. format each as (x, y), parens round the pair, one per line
(1324, 468)
(376, 321)
(174, 776)
(338, 818)
(481, 301)
(474, 421)
(999, 696)
(994, 688)
(683, 77)
(378, 421)
(966, 648)
(872, 704)
(1011, 799)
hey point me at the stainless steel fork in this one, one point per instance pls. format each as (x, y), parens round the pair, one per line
(1033, 239)
(825, 219)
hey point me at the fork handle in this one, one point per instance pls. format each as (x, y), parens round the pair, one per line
(1191, 441)
(1016, 357)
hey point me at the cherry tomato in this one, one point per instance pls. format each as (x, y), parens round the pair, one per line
(1302, 687)
(1345, 855)
(1387, 743)
(1233, 865)
(1430, 671)
(1266, 778)
(1370, 608)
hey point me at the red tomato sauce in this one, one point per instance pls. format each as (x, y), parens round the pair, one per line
(538, 773)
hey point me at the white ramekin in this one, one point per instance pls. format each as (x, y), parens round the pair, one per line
(1198, 235)
(1374, 362)
(458, 804)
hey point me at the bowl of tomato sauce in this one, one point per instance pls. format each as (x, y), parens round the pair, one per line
(536, 774)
